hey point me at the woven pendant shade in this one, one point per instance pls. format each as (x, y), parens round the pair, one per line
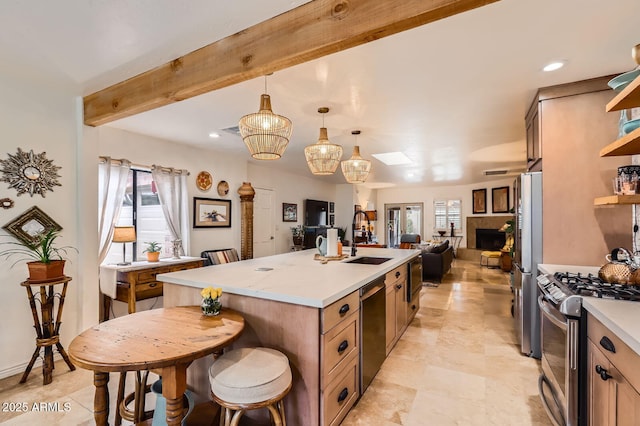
(323, 157)
(266, 134)
(356, 169)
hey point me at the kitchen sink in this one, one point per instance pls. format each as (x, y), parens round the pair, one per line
(369, 260)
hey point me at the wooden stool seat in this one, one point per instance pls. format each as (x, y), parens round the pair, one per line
(250, 378)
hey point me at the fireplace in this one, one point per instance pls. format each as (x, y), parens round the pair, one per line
(489, 239)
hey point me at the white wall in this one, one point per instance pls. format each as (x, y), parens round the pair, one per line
(289, 188)
(39, 117)
(427, 195)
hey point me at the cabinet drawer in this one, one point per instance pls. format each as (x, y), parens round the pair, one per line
(414, 305)
(624, 358)
(341, 394)
(397, 274)
(150, 274)
(337, 311)
(338, 345)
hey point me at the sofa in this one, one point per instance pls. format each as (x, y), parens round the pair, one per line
(436, 261)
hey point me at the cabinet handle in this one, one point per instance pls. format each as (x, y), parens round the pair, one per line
(343, 346)
(398, 286)
(343, 395)
(606, 343)
(397, 274)
(153, 285)
(344, 309)
(413, 307)
(604, 375)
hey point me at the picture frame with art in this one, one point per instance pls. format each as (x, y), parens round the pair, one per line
(500, 199)
(211, 213)
(289, 212)
(479, 201)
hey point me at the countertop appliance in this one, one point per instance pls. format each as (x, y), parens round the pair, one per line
(372, 330)
(527, 255)
(564, 339)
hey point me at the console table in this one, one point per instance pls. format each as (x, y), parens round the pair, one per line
(137, 281)
(47, 330)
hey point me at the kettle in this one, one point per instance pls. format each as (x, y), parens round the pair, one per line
(321, 245)
(620, 268)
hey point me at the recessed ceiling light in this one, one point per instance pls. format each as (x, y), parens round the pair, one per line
(553, 66)
(214, 135)
(392, 158)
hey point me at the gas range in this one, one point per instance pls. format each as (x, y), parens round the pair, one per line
(565, 290)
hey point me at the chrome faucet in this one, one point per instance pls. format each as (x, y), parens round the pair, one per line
(353, 230)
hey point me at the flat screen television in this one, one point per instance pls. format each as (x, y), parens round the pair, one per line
(315, 212)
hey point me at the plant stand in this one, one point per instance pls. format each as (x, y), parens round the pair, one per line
(47, 330)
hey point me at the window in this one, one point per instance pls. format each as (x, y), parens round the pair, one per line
(141, 208)
(447, 212)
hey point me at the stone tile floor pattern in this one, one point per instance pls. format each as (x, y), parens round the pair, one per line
(456, 364)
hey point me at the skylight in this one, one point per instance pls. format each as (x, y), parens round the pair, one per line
(392, 158)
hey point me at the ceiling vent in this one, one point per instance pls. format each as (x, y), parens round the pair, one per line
(235, 130)
(494, 172)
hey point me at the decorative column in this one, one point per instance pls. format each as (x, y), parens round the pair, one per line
(247, 193)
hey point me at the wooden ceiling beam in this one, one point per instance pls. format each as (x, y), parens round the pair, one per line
(310, 31)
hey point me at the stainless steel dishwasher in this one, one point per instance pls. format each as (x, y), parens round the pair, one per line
(372, 330)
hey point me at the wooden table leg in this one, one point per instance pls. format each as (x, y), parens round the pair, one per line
(101, 398)
(174, 384)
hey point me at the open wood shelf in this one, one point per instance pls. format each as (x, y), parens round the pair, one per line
(629, 144)
(615, 200)
(628, 98)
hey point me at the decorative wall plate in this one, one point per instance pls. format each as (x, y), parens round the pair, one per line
(30, 173)
(223, 188)
(204, 181)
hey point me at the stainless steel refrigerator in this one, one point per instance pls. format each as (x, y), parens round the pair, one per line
(527, 255)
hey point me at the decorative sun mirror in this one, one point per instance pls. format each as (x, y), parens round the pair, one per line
(30, 225)
(30, 173)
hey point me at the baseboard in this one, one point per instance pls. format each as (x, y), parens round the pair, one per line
(19, 369)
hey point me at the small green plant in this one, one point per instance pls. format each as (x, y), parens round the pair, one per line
(297, 231)
(152, 247)
(42, 250)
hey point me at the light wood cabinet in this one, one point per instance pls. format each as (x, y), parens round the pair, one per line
(613, 378)
(339, 364)
(396, 305)
(532, 124)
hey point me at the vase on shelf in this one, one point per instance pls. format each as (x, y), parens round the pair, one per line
(211, 306)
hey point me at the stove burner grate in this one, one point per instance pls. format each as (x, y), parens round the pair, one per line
(590, 285)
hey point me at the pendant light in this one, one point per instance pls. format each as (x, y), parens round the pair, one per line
(323, 157)
(356, 169)
(266, 134)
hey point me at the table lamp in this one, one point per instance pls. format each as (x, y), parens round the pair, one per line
(124, 234)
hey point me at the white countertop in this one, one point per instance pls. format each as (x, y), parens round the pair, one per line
(295, 277)
(619, 316)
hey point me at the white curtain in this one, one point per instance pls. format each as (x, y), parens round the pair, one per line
(112, 182)
(172, 192)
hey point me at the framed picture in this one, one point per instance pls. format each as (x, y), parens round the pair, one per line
(479, 201)
(30, 225)
(332, 207)
(332, 219)
(289, 212)
(500, 199)
(211, 213)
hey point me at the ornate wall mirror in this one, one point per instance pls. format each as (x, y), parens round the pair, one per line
(30, 225)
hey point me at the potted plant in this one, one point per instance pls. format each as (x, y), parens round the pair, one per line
(153, 251)
(298, 235)
(44, 260)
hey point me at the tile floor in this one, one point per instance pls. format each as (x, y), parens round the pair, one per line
(457, 364)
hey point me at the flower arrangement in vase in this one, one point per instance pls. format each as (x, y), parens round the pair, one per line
(211, 304)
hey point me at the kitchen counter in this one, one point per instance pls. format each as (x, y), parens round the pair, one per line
(293, 277)
(619, 316)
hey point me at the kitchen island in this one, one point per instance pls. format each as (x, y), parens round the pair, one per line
(306, 309)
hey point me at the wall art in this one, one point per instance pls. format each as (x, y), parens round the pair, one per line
(30, 173)
(479, 201)
(211, 213)
(30, 225)
(289, 212)
(500, 199)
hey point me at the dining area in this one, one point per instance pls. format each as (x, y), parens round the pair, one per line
(165, 341)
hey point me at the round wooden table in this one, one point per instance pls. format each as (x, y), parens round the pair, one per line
(168, 339)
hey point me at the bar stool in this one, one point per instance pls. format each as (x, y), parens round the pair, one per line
(250, 378)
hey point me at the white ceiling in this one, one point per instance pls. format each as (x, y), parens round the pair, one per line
(451, 95)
